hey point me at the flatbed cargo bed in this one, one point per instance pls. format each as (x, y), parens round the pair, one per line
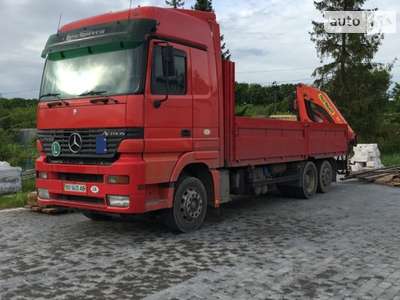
(264, 141)
(251, 141)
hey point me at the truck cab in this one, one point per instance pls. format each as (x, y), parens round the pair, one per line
(137, 114)
(128, 101)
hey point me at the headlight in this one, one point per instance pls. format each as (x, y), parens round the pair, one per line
(43, 194)
(42, 175)
(118, 179)
(118, 201)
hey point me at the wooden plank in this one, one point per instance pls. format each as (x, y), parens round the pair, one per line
(32, 199)
(386, 176)
(389, 170)
(36, 208)
(386, 179)
(54, 211)
(377, 176)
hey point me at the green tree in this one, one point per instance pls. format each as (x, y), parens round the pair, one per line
(204, 5)
(16, 114)
(357, 84)
(394, 105)
(396, 93)
(241, 91)
(391, 133)
(175, 3)
(226, 53)
(12, 152)
(258, 100)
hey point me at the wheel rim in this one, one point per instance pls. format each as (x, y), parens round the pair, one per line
(191, 205)
(326, 175)
(310, 182)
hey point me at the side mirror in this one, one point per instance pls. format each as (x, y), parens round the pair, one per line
(168, 64)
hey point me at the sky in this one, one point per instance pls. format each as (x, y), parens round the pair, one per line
(269, 39)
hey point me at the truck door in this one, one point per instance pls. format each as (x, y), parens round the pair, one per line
(168, 108)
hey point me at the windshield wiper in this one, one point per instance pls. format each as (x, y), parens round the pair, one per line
(57, 102)
(50, 95)
(93, 93)
(104, 101)
(60, 102)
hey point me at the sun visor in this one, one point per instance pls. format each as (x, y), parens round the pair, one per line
(134, 30)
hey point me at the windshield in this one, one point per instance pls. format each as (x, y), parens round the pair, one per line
(102, 70)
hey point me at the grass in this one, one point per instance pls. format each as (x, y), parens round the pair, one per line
(19, 199)
(392, 159)
(13, 201)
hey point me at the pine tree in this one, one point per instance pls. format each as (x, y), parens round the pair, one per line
(396, 92)
(204, 5)
(175, 3)
(358, 85)
(226, 53)
(396, 103)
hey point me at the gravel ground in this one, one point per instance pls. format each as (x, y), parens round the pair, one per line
(344, 244)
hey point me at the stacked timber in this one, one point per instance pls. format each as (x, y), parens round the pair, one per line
(387, 176)
(34, 206)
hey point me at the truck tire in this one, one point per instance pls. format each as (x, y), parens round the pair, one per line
(95, 216)
(308, 181)
(307, 184)
(325, 176)
(190, 206)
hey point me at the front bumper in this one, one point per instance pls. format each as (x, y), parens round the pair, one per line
(95, 196)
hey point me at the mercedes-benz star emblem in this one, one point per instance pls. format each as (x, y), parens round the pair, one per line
(75, 143)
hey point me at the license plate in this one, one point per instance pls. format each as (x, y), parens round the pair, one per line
(76, 188)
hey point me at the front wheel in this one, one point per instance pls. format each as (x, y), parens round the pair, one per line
(190, 206)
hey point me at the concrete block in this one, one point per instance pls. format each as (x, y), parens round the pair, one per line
(366, 156)
(10, 179)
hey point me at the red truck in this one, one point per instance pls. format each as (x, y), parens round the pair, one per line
(137, 115)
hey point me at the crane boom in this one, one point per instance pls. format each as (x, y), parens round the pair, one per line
(315, 106)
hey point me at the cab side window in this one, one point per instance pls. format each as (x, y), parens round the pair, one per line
(163, 81)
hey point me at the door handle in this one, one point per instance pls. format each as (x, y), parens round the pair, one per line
(157, 103)
(186, 133)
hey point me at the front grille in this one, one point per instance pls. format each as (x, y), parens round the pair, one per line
(82, 161)
(81, 177)
(89, 150)
(82, 199)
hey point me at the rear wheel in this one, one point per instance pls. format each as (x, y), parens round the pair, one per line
(325, 176)
(95, 216)
(306, 186)
(308, 181)
(190, 206)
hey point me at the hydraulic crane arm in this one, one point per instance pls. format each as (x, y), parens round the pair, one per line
(314, 105)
